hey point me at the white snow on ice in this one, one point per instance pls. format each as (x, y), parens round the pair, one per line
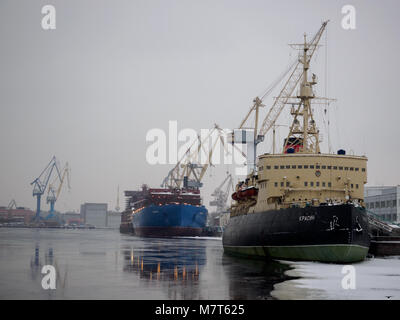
(375, 279)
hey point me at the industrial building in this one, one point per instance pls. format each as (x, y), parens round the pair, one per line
(19, 215)
(94, 214)
(384, 201)
(113, 219)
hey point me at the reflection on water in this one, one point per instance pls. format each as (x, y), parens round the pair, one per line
(191, 269)
(172, 265)
(252, 279)
(36, 264)
(157, 265)
(103, 264)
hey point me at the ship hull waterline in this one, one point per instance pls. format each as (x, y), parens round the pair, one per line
(171, 220)
(333, 234)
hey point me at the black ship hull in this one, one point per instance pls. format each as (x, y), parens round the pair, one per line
(338, 234)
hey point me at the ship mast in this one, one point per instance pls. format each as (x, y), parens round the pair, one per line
(306, 135)
(298, 72)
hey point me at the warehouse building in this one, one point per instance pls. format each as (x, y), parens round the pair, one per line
(384, 201)
(94, 214)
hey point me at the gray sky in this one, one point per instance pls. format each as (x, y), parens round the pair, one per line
(89, 91)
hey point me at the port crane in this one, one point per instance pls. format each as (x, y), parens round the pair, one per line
(53, 192)
(221, 195)
(296, 72)
(12, 205)
(189, 171)
(40, 183)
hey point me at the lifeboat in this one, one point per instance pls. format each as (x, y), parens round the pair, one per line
(245, 193)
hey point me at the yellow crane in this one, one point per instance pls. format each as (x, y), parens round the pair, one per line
(53, 192)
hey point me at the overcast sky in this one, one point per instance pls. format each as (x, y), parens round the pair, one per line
(89, 91)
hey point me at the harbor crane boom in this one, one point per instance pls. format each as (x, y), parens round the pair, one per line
(53, 193)
(220, 195)
(290, 84)
(296, 71)
(189, 170)
(40, 183)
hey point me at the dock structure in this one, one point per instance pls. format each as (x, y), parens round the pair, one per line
(385, 238)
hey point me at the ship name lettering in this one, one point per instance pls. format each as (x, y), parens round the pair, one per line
(306, 218)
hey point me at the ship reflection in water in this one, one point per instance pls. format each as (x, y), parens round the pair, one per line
(196, 268)
(174, 269)
(103, 264)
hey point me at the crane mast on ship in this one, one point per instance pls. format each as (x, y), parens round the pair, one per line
(298, 74)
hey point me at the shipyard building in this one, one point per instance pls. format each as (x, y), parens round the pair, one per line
(384, 201)
(94, 214)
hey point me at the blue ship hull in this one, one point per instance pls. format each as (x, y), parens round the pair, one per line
(169, 220)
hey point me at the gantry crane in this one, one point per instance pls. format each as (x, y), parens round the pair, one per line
(296, 71)
(221, 195)
(53, 192)
(40, 183)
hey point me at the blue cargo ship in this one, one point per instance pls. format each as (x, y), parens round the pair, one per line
(163, 213)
